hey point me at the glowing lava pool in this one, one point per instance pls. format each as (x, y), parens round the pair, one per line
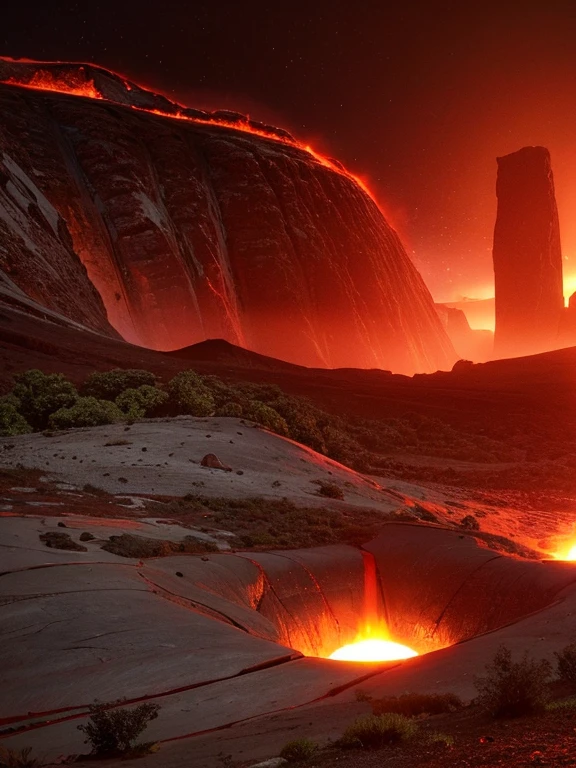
(373, 650)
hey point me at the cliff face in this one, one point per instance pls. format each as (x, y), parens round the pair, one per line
(173, 231)
(469, 343)
(527, 255)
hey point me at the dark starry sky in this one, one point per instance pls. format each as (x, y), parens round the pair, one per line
(419, 98)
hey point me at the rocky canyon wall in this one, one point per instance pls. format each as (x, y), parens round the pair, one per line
(169, 230)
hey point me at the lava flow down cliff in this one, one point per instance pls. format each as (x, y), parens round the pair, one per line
(166, 225)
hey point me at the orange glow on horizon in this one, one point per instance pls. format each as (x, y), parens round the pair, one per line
(567, 553)
(569, 286)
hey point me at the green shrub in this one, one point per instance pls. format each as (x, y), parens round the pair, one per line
(563, 704)
(331, 491)
(114, 731)
(303, 420)
(109, 384)
(141, 402)
(41, 395)
(514, 689)
(266, 416)
(297, 750)
(221, 392)
(440, 738)
(414, 704)
(86, 412)
(566, 663)
(18, 758)
(230, 409)
(376, 731)
(12, 422)
(189, 395)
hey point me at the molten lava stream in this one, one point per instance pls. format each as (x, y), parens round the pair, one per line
(373, 642)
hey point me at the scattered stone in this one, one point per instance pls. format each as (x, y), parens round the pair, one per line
(57, 540)
(62, 525)
(144, 449)
(122, 480)
(274, 762)
(470, 523)
(180, 574)
(239, 472)
(213, 462)
(87, 536)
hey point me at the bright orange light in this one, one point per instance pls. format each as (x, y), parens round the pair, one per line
(569, 286)
(73, 83)
(567, 552)
(373, 650)
(571, 553)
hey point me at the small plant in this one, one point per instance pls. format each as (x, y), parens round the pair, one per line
(141, 402)
(297, 750)
(230, 409)
(331, 491)
(566, 663)
(86, 412)
(376, 731)
(266, 416)
(514, 689)
(189, 395)
(40, 394)
(18, 758)
(414, 704)
(112, 731)
(440, 738)
(108, 385)
(362, 695)
(564, 704)
(12, 422)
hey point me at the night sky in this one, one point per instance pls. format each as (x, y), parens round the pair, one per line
(419, 98)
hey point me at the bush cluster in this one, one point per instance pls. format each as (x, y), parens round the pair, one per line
(298, 750)
(514, 689)
(566, 663)
(415, 704)
(39, 401)
(377, 731)
(113, 731)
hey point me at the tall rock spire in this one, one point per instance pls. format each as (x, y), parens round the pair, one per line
(527, 255)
